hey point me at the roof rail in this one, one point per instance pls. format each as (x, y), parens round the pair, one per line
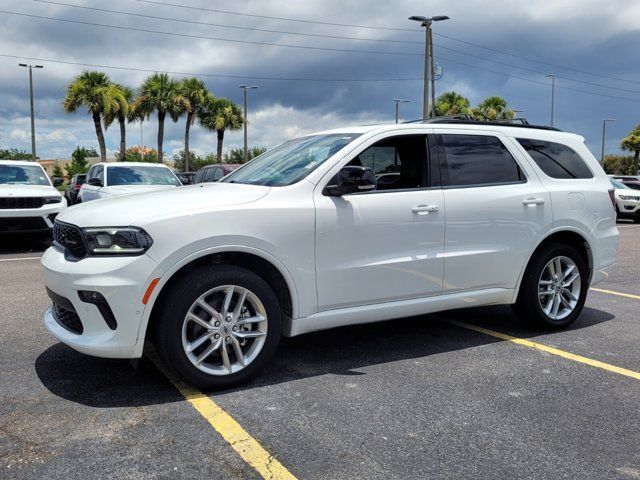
(463, 120)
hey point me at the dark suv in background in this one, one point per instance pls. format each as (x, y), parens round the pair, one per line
(71, 192)
(213, 173)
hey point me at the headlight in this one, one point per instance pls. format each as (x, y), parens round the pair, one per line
(628, 197)
(117, 240)
(48, 200)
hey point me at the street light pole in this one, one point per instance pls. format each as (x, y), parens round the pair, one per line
(604, 135)
(244, 92)
(428, 61)
(553, 94)
(398, 101)
(33, 122)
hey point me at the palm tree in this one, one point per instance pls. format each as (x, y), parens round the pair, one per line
(493, 108)
(220, 114)
(631, 143)
(161, 93)
(196, 93)
(452, 103)
(95, 91)
(125, 113)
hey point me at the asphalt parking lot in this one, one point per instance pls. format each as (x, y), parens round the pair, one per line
(426, 397)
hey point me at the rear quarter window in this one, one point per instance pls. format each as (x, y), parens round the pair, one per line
(555, 159)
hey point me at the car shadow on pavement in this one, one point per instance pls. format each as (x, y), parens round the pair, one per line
(105, 383)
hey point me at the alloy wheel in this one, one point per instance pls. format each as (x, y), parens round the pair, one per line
(559, 288)
(224, 330)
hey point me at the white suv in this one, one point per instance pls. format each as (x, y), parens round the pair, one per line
(302, 238)
(29, 202)
(106, 180)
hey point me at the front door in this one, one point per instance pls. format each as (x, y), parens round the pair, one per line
(386, 244)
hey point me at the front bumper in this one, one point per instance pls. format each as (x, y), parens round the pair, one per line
(122, 282)
(30, 219)
(629, 208)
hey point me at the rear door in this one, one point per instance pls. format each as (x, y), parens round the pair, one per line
(496, 209)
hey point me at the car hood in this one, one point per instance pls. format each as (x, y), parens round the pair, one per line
(127, 189)
(138, 209)
(27, 191)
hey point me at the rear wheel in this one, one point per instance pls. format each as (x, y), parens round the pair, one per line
(554, 288)
(219, 327)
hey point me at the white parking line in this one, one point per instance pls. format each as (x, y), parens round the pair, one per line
(19, 259)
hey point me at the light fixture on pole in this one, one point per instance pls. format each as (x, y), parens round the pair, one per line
(428, 62)
(553, 94)
(244, 93)
(398, 101)
(33, 122)
(604, 135)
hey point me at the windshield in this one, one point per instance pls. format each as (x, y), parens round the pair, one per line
(23, 175)
(140, 175)
(617, 184)
(291, 161)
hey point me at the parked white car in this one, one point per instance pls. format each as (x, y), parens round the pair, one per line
(301, 239)
(106, 180)
(627, 201)
(28, 200)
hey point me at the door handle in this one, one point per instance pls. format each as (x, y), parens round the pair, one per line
(425, 209)
(533, 201)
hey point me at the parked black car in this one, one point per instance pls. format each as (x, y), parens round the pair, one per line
(213, 173)
(71, 192)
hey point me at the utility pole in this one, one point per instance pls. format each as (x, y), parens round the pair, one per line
(244, 92)
(33, 122)
(428, 60)
(604, 135)
(432, 112)
(553, 94)
(398, 101)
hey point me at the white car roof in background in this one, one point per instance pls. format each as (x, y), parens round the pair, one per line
(132, 164)
(25, 163)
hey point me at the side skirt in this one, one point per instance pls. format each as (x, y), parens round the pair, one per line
(399, 309)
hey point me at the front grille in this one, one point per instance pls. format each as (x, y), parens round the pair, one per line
(68, 319)
(70, 237)
(21, 202)
(22, 224)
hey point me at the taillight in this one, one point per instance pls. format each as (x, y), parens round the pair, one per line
(77, 187)
(612, 196)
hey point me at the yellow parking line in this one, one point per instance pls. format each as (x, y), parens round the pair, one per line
(248, 447)
(546, 348)
(613, 292)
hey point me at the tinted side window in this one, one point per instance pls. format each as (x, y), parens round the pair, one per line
(478, 160)
(199, 175)
(208, 174)
(555, 159)
(218, 174)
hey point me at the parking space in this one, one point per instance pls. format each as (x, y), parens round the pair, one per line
(414, 398)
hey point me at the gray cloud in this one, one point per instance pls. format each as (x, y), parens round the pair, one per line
(579, 34)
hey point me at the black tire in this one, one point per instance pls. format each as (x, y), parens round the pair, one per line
(175, 304)
(528, 307)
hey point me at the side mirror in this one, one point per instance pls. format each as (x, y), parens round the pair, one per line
(353, 179)
(184, 180)
(57, 181)
(95, 182)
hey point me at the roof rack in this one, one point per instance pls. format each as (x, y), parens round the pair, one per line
(462, 120)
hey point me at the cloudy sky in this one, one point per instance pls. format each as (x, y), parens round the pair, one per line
(311, 72)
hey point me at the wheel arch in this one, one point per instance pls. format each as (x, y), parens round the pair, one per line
(267, 267)
(573, 238)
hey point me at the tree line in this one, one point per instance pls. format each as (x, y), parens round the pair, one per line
(160, 95)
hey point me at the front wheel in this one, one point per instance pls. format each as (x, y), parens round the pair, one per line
(218, 326)
(554, 288)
